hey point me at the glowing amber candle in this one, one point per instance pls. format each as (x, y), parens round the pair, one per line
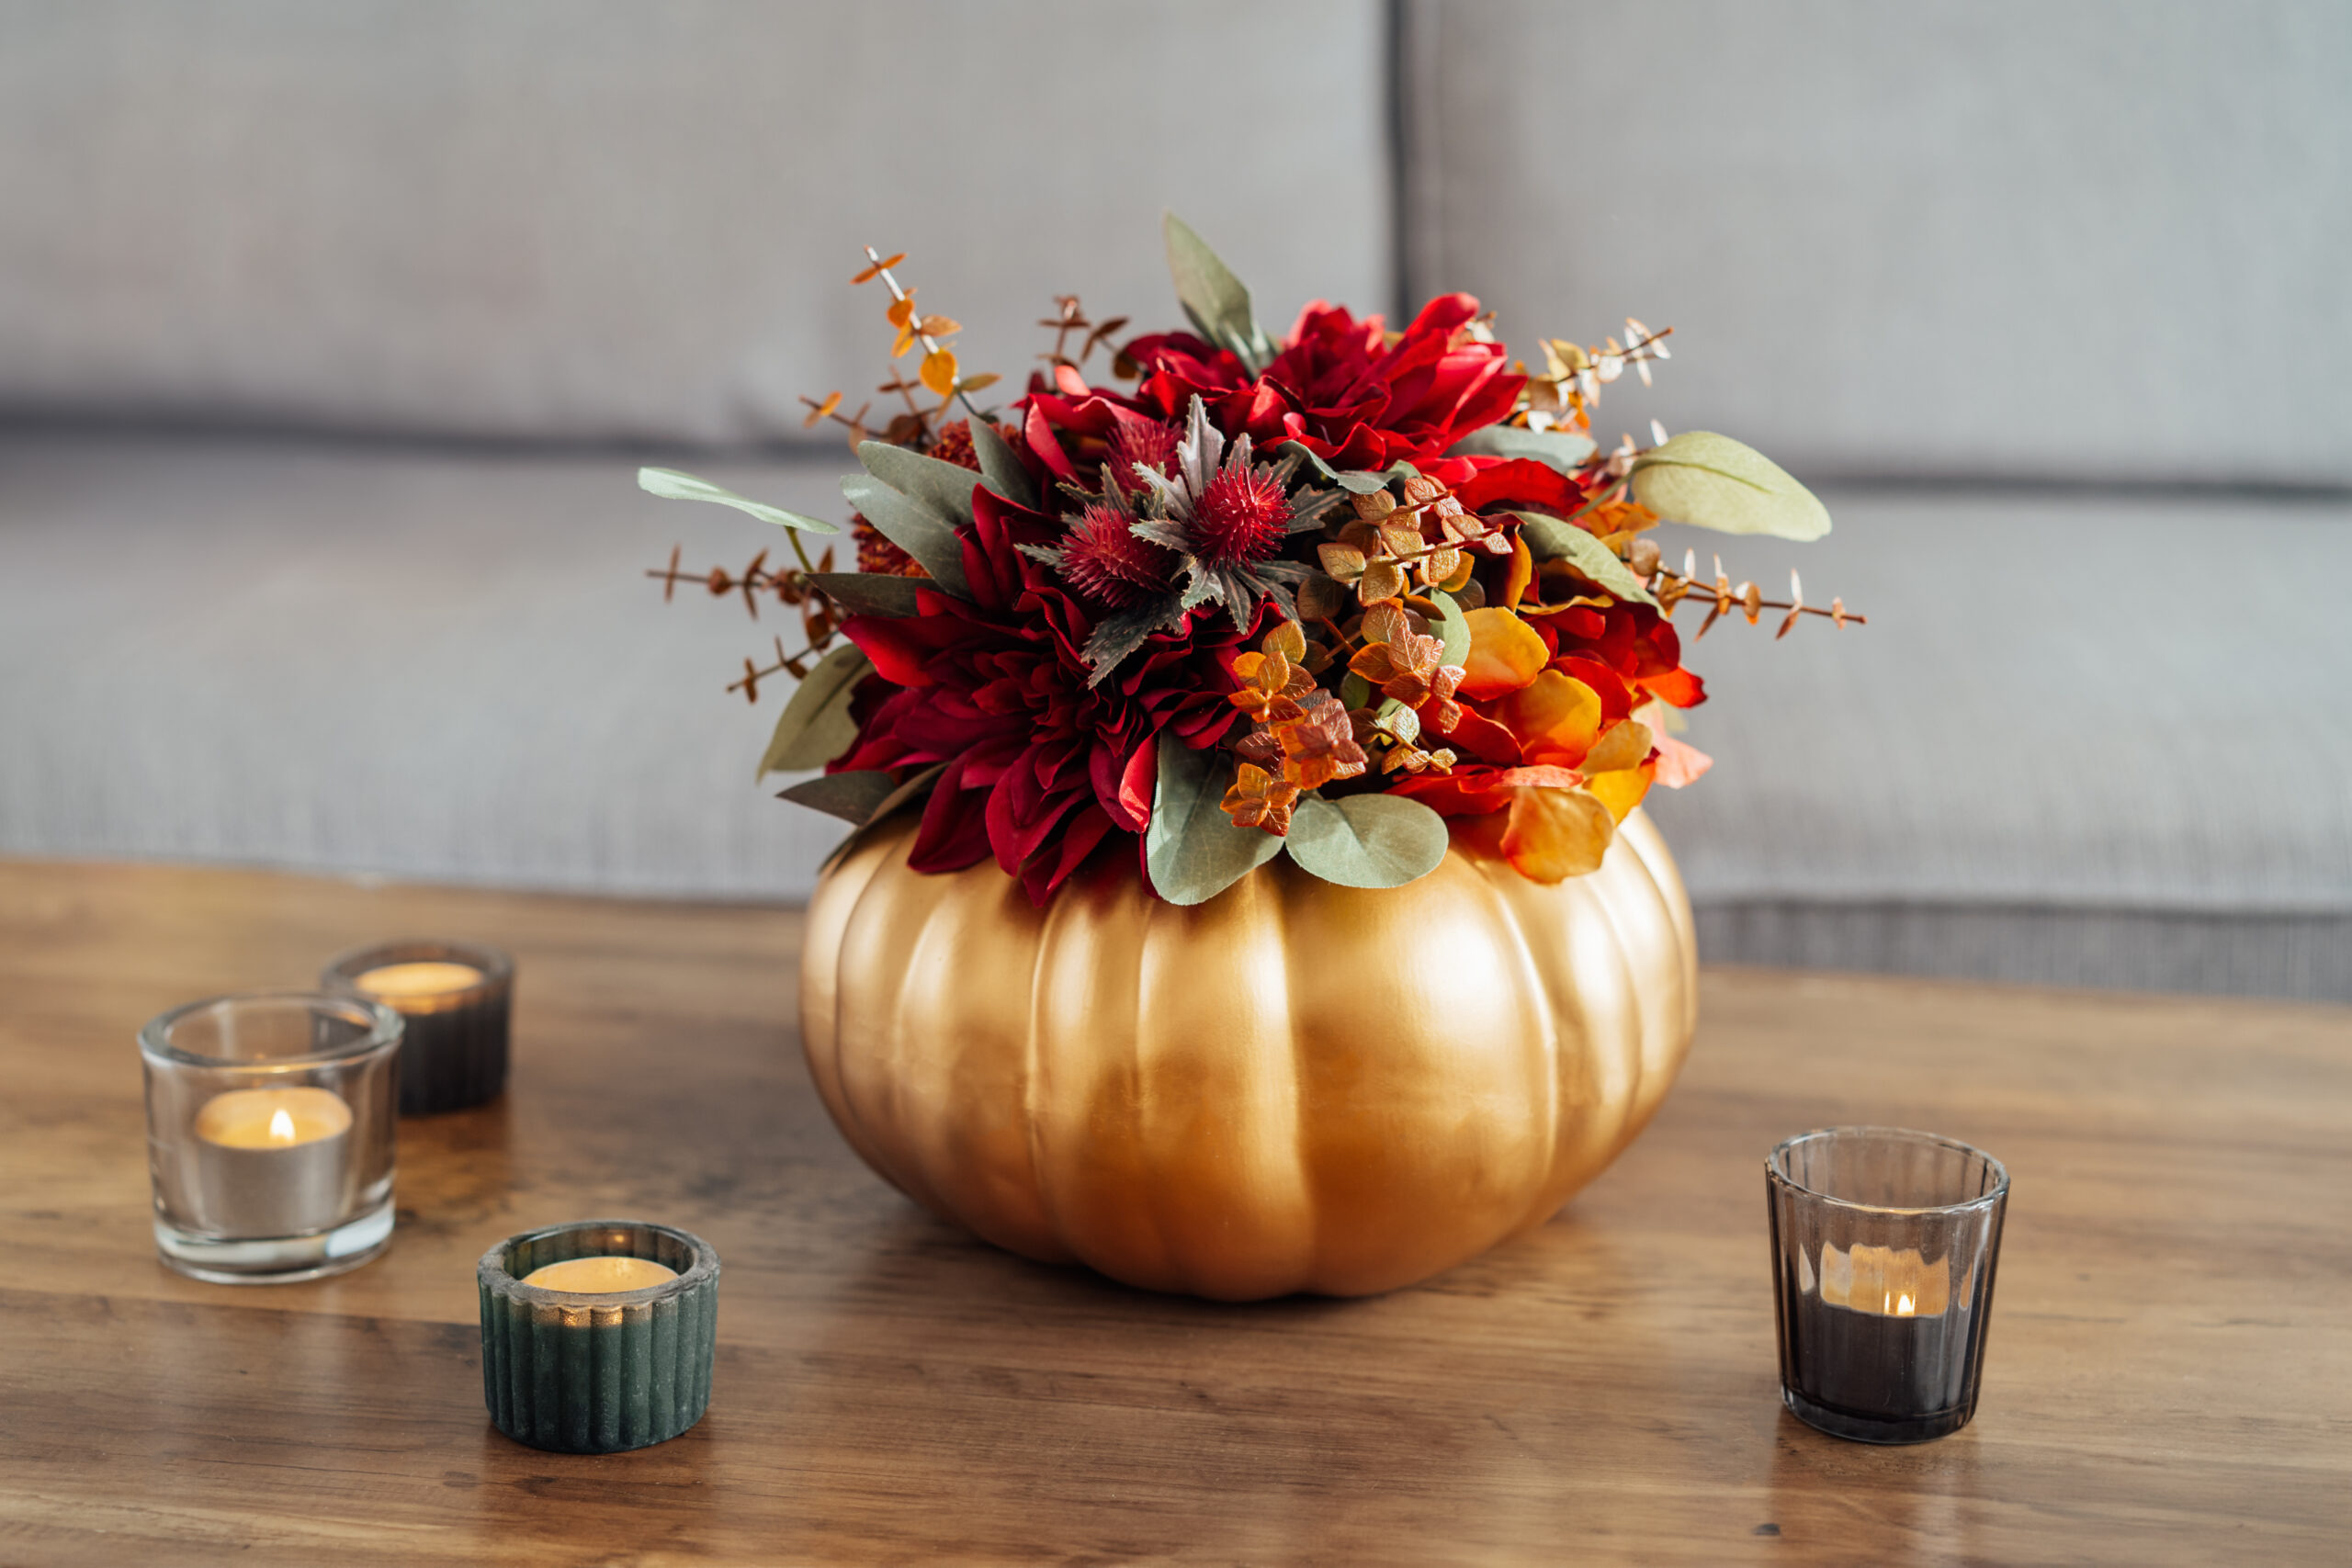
(454, 1000)
(271, 1118)
(600, 1276)
(272, 1162)
(418, 986)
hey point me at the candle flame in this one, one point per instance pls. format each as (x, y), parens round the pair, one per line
(1903, 1306)
(281, 1126)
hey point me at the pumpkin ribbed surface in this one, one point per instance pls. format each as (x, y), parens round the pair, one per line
(1293, 1086)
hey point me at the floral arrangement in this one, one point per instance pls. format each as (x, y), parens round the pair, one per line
(1341, 596)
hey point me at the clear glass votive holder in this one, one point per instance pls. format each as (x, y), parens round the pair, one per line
(456, 998)
(270, 1134)
(1884, 1246)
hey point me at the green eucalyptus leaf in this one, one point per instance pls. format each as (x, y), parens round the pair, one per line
(1355, 692)
(853, 797)
(915, 788)
(1562, 450)
(671, 485)
(1548, 538)
(815, 727)
(1215, 298)
(1366, 840)
(1355, 481)
(1193, 850)
(1001, 467)
(914, 527)
(868, 592)
(945, 488)
(1712, 481)
(1451, 627)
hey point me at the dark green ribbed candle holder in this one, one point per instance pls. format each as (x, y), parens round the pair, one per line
(603, 1373)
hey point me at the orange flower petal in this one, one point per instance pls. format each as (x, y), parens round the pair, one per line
(1554, 834)
(1622, 789)
(1504, 654)
(1555, 717)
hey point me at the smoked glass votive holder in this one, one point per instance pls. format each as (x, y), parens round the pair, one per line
(1883, 1245)
(270, 1134)
(456, 998)
(598, 1337)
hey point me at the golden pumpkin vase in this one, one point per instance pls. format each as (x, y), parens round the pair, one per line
(1293, 1086)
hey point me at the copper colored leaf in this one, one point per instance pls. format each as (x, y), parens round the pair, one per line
(939, 326)
(901, 311)
(1555, 718)
(1286, 640)
(870, 272)
(939, 371)
(1381, 580)
(1259, 800)
(1343, 562)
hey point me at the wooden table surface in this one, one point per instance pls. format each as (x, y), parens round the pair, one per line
(2169, 1377)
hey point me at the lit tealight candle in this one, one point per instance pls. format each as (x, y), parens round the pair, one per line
(1882, 1282)
(272, 1162)
(599, 1276)
(271, 1118)
(418, 985)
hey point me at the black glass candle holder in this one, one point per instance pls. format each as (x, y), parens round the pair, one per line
(1884, 1246)
(456, 998)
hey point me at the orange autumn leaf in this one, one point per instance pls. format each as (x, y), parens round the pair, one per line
(1627, 745)
(1554, 719)
(1620, 790)
(939, 371)
(1504, 654)
(902, 309)
(1518, 574)
(1319, 745)
(1554, 834)
(870, 272)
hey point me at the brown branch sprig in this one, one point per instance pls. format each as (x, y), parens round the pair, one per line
(1673, 587)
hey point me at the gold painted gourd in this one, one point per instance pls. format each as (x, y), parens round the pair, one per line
(1293, 1086)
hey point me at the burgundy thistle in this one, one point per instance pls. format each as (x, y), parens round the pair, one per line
(1105, 561)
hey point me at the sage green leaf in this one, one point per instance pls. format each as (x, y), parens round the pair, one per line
(868, 592)
(1215, 298)
(1355, 481)
(1452, 627)
(671, 485)
(1562, 450)
(1712, 481)
(1193, 850)
(1548, 538)
(1366, 840)
(815, 727)
(1355, 692)
(913, 789)
(914, 527)
(1001, 467)
(853, 797)
(945, 488)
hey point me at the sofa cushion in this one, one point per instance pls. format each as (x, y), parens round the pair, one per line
(2073, 744)
(2098, 240)
(553, 217)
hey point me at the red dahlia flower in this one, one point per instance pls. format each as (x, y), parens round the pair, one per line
(1040, 767)
(1340, 389)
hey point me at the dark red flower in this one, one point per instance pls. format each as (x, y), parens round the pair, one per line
(1339, 389)
(1040, 767)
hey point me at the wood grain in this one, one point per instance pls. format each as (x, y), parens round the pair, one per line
(2169, 1377)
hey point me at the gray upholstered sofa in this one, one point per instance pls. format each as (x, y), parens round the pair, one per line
(329, 337)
